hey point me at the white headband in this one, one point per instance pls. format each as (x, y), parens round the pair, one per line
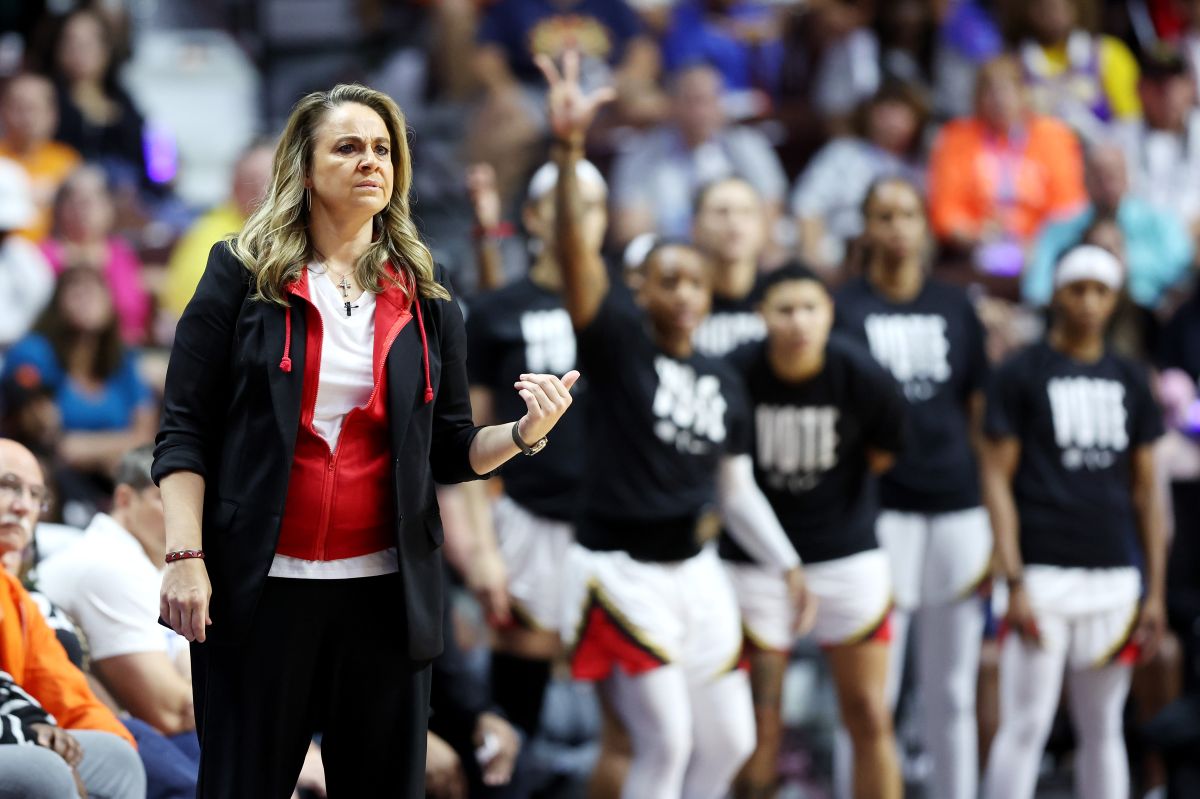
(1089, 262)
(546, 178)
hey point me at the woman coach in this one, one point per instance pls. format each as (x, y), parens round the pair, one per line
(311, 404)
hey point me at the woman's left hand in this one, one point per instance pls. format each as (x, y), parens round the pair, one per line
(546, 400)
(1151, 626)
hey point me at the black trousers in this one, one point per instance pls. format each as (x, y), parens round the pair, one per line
(323, 656)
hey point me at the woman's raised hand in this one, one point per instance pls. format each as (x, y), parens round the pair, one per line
(570, 110)
(546, 400)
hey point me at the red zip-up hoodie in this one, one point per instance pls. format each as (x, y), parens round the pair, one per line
(340, 502)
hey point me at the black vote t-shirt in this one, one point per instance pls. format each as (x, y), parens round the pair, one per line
(657, 429)
(810, 443)
(523, 328)
(934, 347)
(1078, 425)
(731, 323)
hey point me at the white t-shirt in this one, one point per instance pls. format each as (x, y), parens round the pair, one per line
(347, 379)
(107, 583)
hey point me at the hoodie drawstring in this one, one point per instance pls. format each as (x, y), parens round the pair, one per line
(285, 364)
(424, 352)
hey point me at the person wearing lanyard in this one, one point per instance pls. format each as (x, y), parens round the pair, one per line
(648, 612)
(317, 390)
(1069, 482)
(997, 177)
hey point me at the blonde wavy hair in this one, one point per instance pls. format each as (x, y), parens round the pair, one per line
(274, 244)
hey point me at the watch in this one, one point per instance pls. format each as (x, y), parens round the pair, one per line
(537, 447)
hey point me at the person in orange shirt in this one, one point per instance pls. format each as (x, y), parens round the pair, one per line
(29, 117)
(996, 177)
(88, 737)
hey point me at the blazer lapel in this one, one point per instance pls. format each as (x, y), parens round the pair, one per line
(287, 388)
(403, 360)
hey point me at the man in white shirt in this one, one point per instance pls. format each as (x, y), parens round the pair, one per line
(109, 583)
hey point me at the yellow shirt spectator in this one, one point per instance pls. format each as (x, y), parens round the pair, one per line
(48, 166)
(1088, 81)
(190, 255)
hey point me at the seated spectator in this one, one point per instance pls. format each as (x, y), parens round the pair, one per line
(741, 38)
(1158, 249)
(614, 51)
(37, 663)
(656, 176)
(29, 115)
(1086, 79)
(95, 115)
(1162, 150)
(106, 408)
(250, 176)
(827, 200)
(82, 235)
(995, 178)
(26, 281)
(109, 583)
(968, 38)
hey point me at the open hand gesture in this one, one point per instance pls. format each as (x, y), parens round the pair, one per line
(546, 400)
(570, 110)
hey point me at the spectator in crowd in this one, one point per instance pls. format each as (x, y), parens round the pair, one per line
(82, 235)
(741, 38)
(655, 179)
(96, 116)
(37, 758)
(26, 281)
(29, 415)
(968, 37)
(29, 114)
(907, 34)
(31, 655)
(730, 229)
(1088, 80)
(827, 200)
(76, 350)
(995, 178)
(108, 581)
(1158, 249)
(614, 51)
(846, 63)
(1162, 150)
(250, 176)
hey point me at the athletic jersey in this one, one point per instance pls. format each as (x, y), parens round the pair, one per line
(934, 347)
(1078, 424)
(657, 429)
(731, 323)
(810, 443)
(519, 329)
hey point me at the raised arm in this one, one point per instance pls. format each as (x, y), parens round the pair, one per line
(585, 281)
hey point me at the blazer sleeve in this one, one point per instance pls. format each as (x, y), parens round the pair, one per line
(453, 428)
(199, 368)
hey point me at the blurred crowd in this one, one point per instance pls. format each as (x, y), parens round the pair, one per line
(1031, 125)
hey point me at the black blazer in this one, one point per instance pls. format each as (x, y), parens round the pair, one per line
(231, 415)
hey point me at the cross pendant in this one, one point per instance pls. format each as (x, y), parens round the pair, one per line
(345, 287)
(349, 308)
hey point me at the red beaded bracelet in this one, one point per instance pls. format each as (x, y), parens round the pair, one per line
(184, 554)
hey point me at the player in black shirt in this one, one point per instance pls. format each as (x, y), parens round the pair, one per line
(826, 418)
(1069, 481)
(650, 612)
(729, 225)
(520, 541)
(932, 523)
